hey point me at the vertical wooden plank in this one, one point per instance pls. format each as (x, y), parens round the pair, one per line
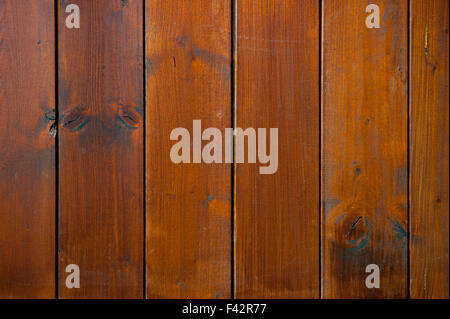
(188, 239)
(364, 154)
(429, 181)
(27, 150)
(277, 86)
(101, 149)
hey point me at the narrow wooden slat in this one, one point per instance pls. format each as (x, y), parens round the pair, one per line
(429, 118)
(277, 86)
(188, 239)
(27, 149)
(364, 154)
(101, 149)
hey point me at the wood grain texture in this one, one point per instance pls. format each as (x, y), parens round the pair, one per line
(277, 86)
(27, 150)
(364, 149)
(429, 118)
(101, 149)
(188, 239)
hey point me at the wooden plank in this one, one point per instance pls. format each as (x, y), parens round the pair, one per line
(429, 118)
(188, 239)
(364, 154)
(101, 149)
(27, 150)
(277, 86)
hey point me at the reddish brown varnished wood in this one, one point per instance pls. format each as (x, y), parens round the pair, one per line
(188, 239)
(27, 150)
(188, 242)
(364, 149)
(429, 183)
(101, 149)
(277, 85)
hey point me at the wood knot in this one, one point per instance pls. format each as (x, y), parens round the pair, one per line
(75, 119)
(128, 117)
(50, 117)
(352, 227)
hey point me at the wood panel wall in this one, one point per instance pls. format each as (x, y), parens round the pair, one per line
(86, 176)
(27, 149)
(100, 87)
(277, 86)
(188, 72)
(364, 149)
(429, 108)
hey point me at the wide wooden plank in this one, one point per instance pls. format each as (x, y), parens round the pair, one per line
(188, 239)
(27, 149)
(364, 149)
(429, 118)
(101, 149)
(277, 86)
